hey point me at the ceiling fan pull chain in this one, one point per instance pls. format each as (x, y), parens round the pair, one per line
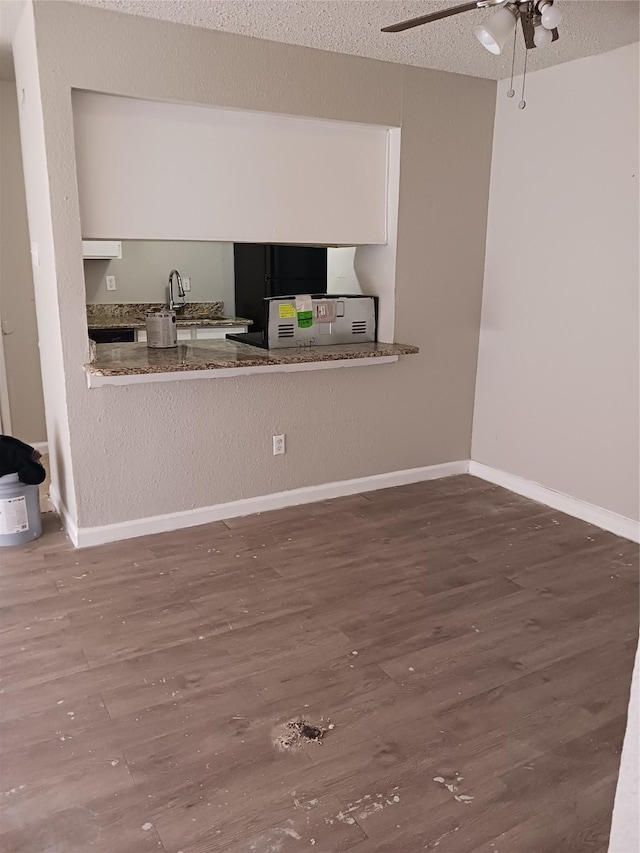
(512, 91)
(523, 103)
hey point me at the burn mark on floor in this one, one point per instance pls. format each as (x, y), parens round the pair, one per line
(290, 736)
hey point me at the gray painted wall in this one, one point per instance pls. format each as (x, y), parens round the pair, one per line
(143, 271)
(557, 393)
(110, 445)
(17, 301)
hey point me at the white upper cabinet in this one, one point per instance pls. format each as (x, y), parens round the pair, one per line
(101, 249)
(155, 171)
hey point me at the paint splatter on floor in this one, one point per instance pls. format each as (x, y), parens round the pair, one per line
(306, 805)
(273, 840)
(440, 838)
(13, 790)
(451, 781)
(365, 807)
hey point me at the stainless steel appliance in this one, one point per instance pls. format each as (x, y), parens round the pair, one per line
(332, 319)
(262, 270)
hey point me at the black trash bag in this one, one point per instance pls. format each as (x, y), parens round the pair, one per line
(19, 458)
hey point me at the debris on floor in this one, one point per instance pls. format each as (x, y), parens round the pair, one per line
(365, 807)
(451, 781)
(289, 736)
(440, 838)
(272, 841)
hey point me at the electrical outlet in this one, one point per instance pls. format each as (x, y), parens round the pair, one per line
(186, 284)
(110, 282)
(278, 445)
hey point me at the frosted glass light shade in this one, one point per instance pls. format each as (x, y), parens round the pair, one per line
(541, 36)
(551, 17)
(494, 33)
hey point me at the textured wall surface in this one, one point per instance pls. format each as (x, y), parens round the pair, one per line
(557, 392)
(52, 302)
(353, 26)
(17, 309)
(341, 423)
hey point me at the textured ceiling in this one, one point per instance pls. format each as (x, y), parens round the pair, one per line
(353, 26)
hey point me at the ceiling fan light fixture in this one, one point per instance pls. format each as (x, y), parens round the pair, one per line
(539, 19)
(550, 15)
(542, 37)
(494, 33)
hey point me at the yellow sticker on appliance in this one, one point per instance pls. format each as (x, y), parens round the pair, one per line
(286, 311)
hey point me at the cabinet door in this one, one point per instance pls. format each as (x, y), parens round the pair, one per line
(181, 334)
(219, 333)
(222, 176)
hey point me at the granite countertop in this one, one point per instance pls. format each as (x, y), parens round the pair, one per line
(131, 315)
(181, 322)
(130, 359)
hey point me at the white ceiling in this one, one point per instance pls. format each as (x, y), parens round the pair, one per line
(353, 26)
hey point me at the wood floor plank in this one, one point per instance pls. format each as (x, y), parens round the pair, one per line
(30, 586)
(31, 663)
(30, 729)
(130, 634)
(75, 784)
(443, 633)
(101, 826)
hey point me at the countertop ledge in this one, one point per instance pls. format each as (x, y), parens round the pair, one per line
(131, 315)
(181, 322)
(122, 364)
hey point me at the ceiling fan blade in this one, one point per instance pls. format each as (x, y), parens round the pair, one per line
(434, 16)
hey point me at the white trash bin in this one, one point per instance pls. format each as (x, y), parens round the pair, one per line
(20, 520)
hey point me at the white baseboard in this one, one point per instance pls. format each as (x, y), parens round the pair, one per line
(625, 822)
(40, 446)
(604, 518)
(84, 537)
(59, 506)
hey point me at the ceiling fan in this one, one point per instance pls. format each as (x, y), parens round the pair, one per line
(539, 20)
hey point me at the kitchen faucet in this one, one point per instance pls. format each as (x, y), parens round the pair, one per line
(175, 305)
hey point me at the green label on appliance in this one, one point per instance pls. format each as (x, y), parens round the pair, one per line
(305, 319)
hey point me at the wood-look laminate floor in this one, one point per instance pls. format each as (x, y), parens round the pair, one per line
(472, 649)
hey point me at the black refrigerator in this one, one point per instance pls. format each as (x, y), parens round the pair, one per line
(263, 270)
